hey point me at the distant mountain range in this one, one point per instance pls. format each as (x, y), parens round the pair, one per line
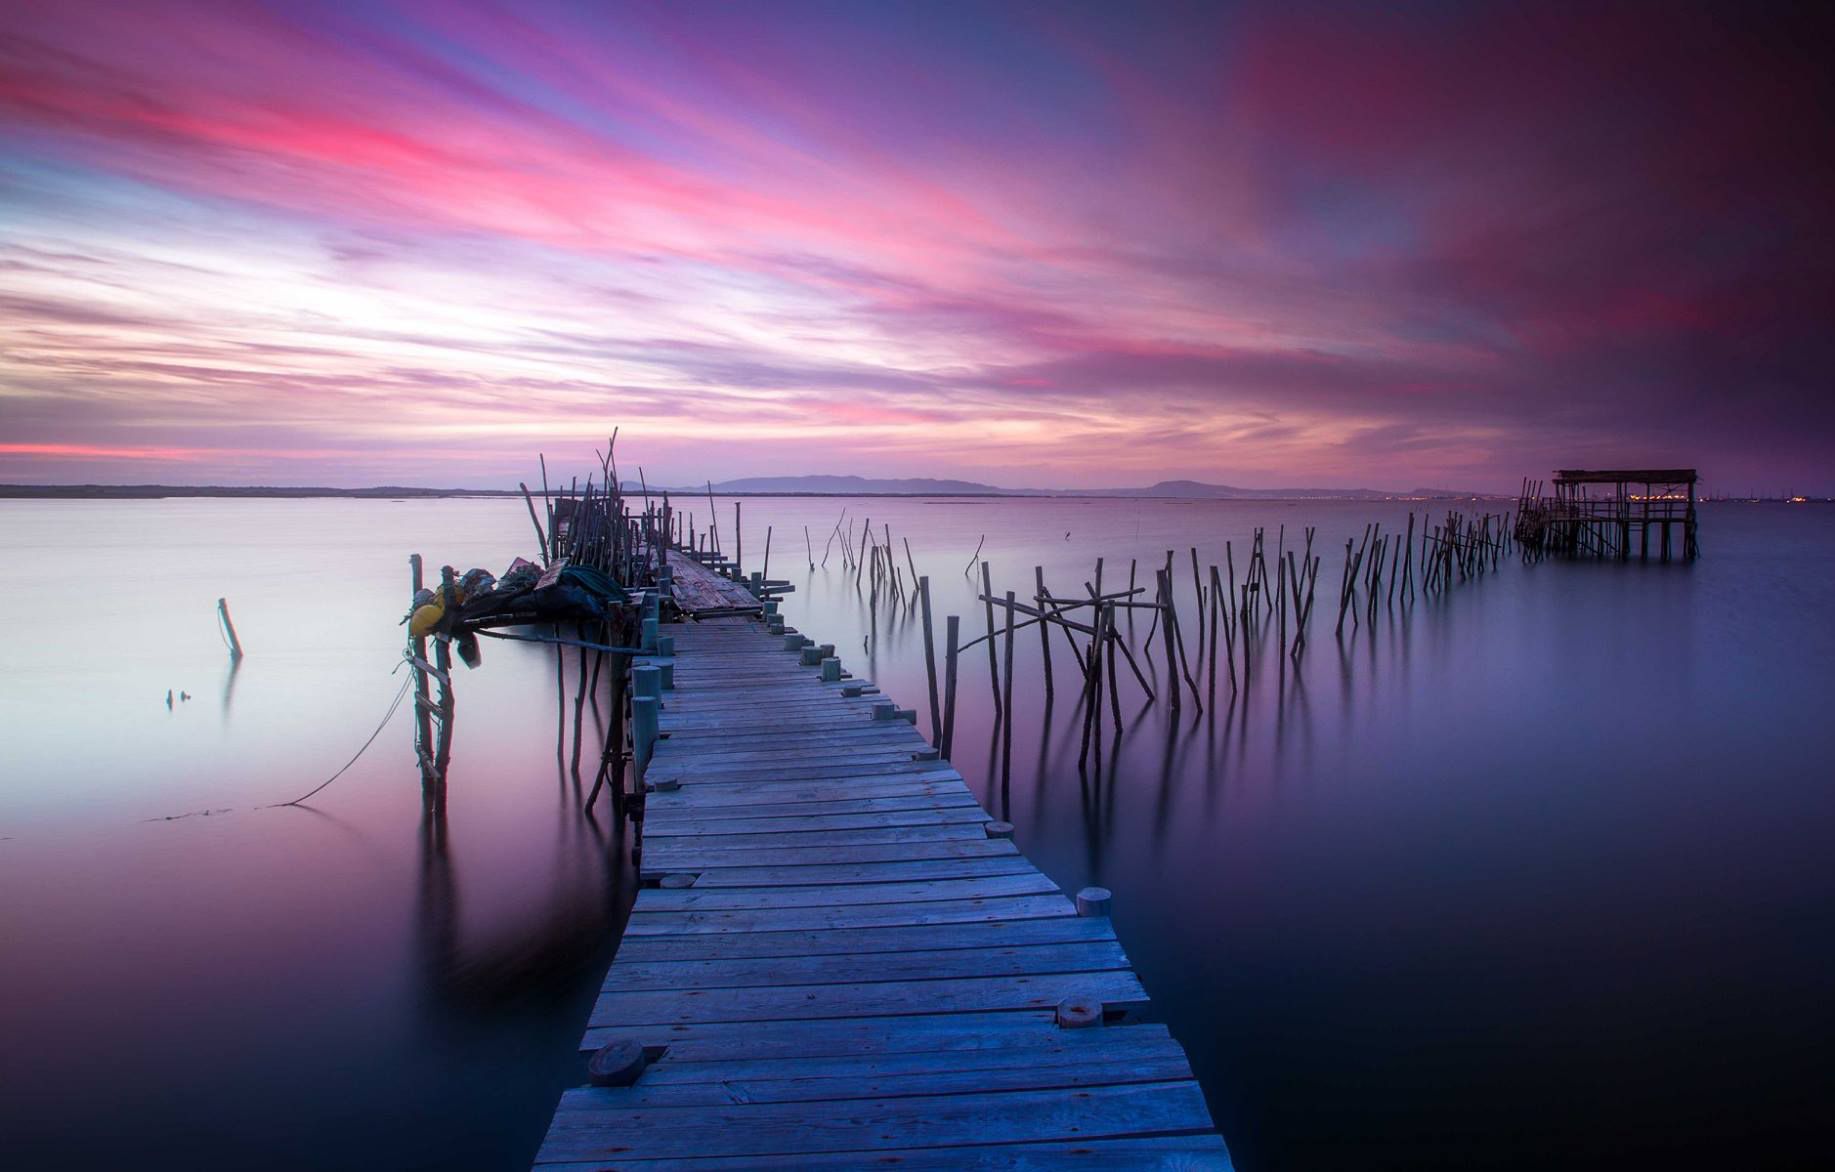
(922, 486)
(754, 486)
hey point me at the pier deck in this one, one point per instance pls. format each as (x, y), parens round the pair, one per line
(701, 592)
(858, 974)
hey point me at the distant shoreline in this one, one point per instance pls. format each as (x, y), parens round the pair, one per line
(150, 492)
(394, 492)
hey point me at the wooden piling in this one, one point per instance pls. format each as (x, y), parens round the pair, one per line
(952, 627)
(930, 655)
(987, 600)
(423, 700)
(1006, 697)
(229, 629)
(1038, 578)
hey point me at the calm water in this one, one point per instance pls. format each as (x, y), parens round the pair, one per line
(1534, 872)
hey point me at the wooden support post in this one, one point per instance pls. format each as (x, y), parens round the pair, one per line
(952, 627)
(1105, 623)
(647, 682)
(1164, 578)
(1197, 585)
(229, 628)
(643, 731)
(442, 659)
(987, 599)
(930, 652)
(1079, 1013)
(1006, 699)
(541, 539)
(617, 1064)
(1093, 901)
(1038, 576)
(1211, 684)
(423, 702)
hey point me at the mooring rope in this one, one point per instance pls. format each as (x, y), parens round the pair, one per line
(395, 704)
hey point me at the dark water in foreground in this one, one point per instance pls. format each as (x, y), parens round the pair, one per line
(1535, 873)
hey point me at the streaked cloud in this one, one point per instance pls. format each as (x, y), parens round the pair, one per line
(1035, 244)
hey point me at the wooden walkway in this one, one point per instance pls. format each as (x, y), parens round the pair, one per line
(844, 969)
(700, 591)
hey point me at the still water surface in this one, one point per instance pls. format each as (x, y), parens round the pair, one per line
(1535, 871)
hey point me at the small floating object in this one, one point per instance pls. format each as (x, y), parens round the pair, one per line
(997, 829)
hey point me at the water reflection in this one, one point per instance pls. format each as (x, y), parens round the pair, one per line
(1423, 873)
(1447, 791)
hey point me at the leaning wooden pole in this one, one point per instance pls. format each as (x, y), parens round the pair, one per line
(423, 696)
(952, 640)
(930, 656)
(1006, 697)
(987, 600)
(229, 629)
(1038, 577)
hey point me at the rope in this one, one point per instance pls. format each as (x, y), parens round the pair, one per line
(387, 716)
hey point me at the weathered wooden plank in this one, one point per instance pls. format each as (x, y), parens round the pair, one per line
(662, 901)
(764, 825)
(668, 816)
(879, 767)
(877, 915)
(714, 740)
(767, 793)
(860, 940)
(1021, 1047)
(1118, 988)
(758, 796)
(739, 862)
(790, 840)
(827, 1037)
(772, 721)
(1078, 1070)
(1091, 956)
(902, 871)
(894, 740)
(1174, 1153)
(684, 771)
(757, 1129)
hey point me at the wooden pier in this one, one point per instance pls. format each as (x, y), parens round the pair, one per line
(844, 961)
(1604, 514)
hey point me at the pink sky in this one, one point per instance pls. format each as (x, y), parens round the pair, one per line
(1040, 245)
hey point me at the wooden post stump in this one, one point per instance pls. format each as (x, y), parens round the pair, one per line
(617, 1064)
(1079, 1013)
